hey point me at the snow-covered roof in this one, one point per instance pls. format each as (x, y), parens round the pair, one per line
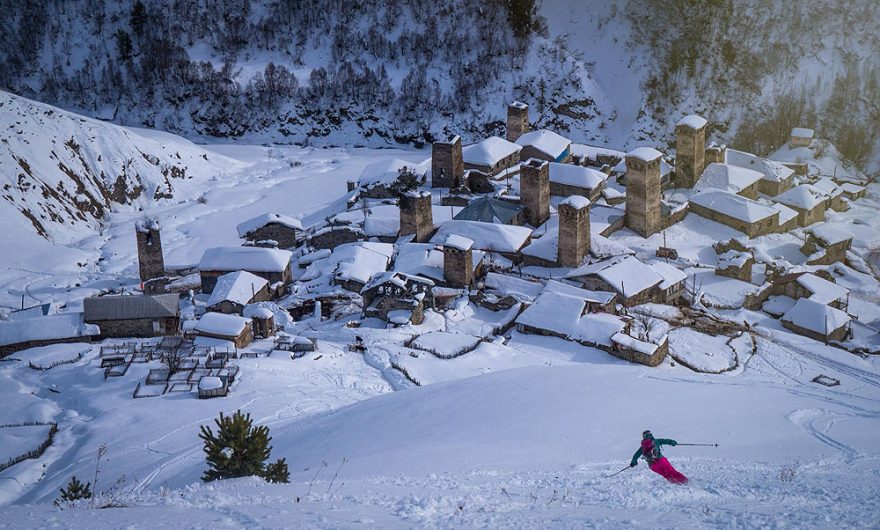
(671, 275)
(823, 291)
(592, 152)
(486, 236)
(727, 177)
(602, 247)
(31, 312)
(733, 258)
(221, 324)
(645, 154)
(646, 348)
(815, 316)
(828, 187)
(145, 225)
(802, 132)
(772, 170)
(51, 327)
(262, 313)
(511, 285)
(489, 151)
(733, 205)
(400, 279)
(238, 287)
(786, 214)
(579, 176)
(599, 297)
(829, 233)
(804, 197)
(625, 274)
(577, 202)
(255, 259)
(693, 121)
(383, 172)
(548, 142)
(489, 210)
(849, 187)
(458, 242)
(360, 261)
(210, 382)
(251, 225)
(130, 307)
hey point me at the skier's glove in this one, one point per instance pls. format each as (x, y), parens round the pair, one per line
(673, 443)
(633, 464)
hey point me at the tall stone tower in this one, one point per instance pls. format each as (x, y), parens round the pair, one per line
(447, 164)
(643, 191)
(534, 189)
(574, 231)
(416, 216)
(458, 261)
(149, 247)
(690, 155)
(517, 120)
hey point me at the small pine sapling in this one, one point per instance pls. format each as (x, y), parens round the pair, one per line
(75, 491)
(277, 472)
(237, 450)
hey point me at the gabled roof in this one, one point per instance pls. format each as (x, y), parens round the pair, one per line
(490, 210)
(804, 197)
(222, 325)
(726, 177)
(399, 279)
(255, 259)
(486, 236)
(829, 234)
(772, 170)
(548, 142)
(238, 287)
(489, 151)
(579, 176)
(251, 225)
(815, 316)
(130, 307)
(733, 205)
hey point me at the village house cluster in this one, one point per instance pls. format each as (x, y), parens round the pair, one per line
(525, 219)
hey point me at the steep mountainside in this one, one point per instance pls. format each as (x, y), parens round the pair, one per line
(372, 72)
(63, 172)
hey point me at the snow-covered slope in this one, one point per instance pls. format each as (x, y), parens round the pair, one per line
(63, 173)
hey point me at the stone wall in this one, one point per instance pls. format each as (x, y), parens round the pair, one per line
(764, 226)
(836, 334)
(742, 273)
(458, 267)
(517, 120)
(574, 235)
(690, 155)
(714, 154)
(567, 190)
(808, 217)
(141, 327)
(643, 196)
(333, 237)
(447, 164)
(534, 189)
(633, 356)
(284, 235)
(151, 263)
(773, 187)
(416, 216)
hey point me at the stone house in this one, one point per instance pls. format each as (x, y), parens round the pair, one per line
(134, 316)
(834, 194)
(235, 290)
(807, 201)
(634, 282)
(735, 264)
(852, 191)
(235, 329)
(777, 177)
(507, 240)
(826, 244)
(269, 263)
(748, 216)
(331, 237)
(816, 320)
(788, 218)
(492, 210)
(388, 179)
(268, 227)
(673, 285)
(638, 351)
(388, 293)
(491, 156)
(567, 180)
(21, 334)
(733, 179)
(544, 145)
(353, 265)
(807, 285)
(801, 137)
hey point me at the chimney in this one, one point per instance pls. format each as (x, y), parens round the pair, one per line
(416, 215)
(517, 120)
(574, 231)
(534, 190)
(447, 163)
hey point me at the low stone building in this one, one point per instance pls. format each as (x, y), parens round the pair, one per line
(235, 329)
(733, 179)
(234, 290)
(492, 210)
(506, 240)
(748, 216)
(826, 244)
(281, 229)
(788, 218)
(715, 153)
(331, 237)
(638, 351)
(263, 320)
(134, 316)
(852, 191)
(777, 177)
(801, 137)
(567, 180)
(816, 320)
(492, 156)
(388, 179)
(269, 263)
(735, 264)
(807, 285)
(809, 202)
(634, 282)
(544, 145)
(392, 295)
(673, 285)
(834, 194)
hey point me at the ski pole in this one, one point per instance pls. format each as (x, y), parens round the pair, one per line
(619, 472)
(701, 445)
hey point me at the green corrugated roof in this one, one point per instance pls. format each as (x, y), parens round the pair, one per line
(489, 210)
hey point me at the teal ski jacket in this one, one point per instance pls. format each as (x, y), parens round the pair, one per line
(657, 442)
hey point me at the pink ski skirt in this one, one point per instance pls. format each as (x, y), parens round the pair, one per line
(663, 468)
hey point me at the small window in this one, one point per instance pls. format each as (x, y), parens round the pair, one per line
(156, 326)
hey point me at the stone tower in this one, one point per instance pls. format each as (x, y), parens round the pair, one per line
(574, 231)
(690, 144)
(534, 189)
(416, 216)
(517, 120)
(447, 164)
(643, 191)
(149, 247)
(458, 261)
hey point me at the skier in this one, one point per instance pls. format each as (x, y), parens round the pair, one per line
(650, 450)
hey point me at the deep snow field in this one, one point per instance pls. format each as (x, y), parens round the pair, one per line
(519, 433)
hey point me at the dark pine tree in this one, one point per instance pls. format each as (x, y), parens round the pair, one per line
(238, 449)
(123, 45)
(75, 491)
(277, 472)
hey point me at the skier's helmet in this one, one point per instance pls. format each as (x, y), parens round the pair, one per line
(647, 434)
